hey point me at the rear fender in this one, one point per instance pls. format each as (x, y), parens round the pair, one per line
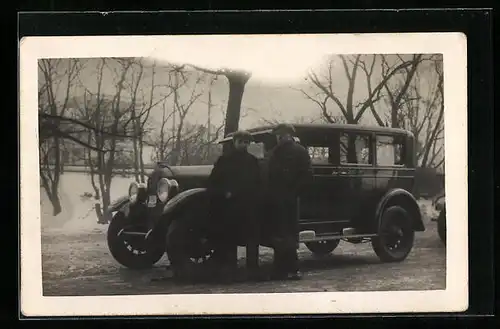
(403, 198)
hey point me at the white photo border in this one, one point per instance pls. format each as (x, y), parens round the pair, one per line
(454, 298)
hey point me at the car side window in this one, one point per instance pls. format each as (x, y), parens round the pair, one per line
(320, 155)
(354, 149)
(389, 151)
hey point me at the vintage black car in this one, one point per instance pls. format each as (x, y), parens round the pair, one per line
(361, 191)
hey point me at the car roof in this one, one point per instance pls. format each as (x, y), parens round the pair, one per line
(302, 127)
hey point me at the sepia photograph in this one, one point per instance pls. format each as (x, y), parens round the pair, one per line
(243, 174)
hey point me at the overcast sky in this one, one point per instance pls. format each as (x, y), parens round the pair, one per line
(282, 59)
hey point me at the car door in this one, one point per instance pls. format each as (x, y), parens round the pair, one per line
(355, 174)
(322, 201)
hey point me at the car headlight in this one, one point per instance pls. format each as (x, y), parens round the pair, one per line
(137, 192)
(174, 187)
(162, 189)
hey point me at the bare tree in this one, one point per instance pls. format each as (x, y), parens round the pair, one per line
(397, 95)
(186, 88)
(182, 107)
(433, 133)
(198, 147)
(110, 113)
(163, 140)
(53, 74)
(141, 105)
(324, 93)
(62, 125)
(379, 72)
(237, 80)
(421, 111)
(185, 143)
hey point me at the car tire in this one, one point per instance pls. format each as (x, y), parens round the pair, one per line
(183, 248)
(122, 249)
(441, 225)
(322, 248)
(396, 235)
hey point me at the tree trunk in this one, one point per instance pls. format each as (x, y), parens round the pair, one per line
(136, 159)
(141, 161)
(135, 147)
(98, 213)
(56, 203)
(106, 201)
(436, 127)
(237, 82)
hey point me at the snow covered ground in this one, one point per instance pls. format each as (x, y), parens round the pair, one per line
(78, 214)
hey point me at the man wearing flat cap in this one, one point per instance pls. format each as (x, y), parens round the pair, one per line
(289, 170)
(233, 186)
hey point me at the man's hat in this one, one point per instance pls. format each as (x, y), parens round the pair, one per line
(284, 128)
(242, 135)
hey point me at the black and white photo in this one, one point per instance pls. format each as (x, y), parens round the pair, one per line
(243, 174)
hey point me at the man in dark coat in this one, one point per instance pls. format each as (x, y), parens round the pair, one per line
(289, 170)
(233, 187)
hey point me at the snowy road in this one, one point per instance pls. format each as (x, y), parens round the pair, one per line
(80, 264)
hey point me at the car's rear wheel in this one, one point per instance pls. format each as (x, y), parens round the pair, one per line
(132, 251)
(441, 225)
(396, 235)
(321, 248)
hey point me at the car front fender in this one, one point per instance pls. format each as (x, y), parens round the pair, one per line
(181, 200)
(118, 204)
(403, 198)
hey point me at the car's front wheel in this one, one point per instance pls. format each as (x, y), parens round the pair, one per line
(396, 235)
(188, 248)
(441, 225)
(132, 251)
(321, 248)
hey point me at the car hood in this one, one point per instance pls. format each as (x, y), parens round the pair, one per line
(188, 177)
(183, 171)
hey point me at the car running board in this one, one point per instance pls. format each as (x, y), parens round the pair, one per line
(301, 239)
(335, 237)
